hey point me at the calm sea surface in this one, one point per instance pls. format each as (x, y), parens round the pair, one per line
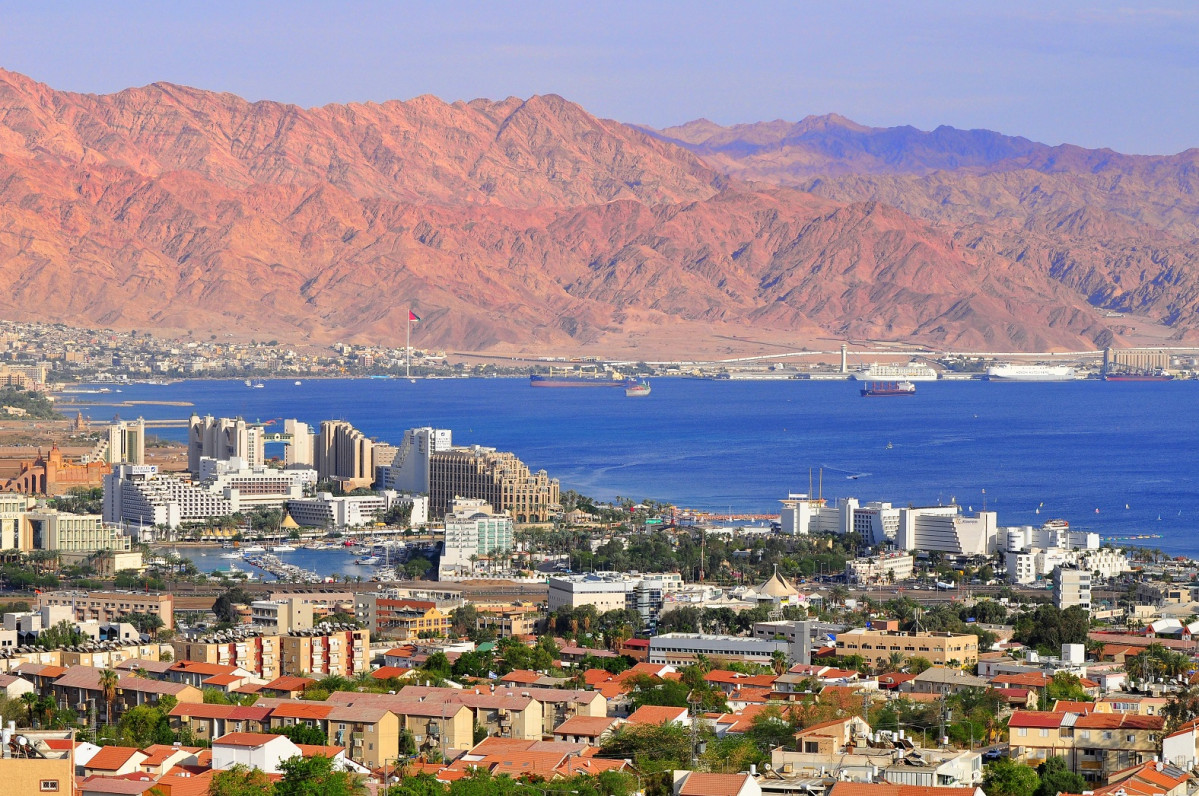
(1081, 451)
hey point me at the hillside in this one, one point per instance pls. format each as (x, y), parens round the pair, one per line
(530, 225)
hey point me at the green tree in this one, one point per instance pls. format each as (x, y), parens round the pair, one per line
(1065, 685)
(240, 781)
(315, 776)
(1057, 778)
(651, 747)
(1181, 707)
(144, 725)
(1006, 777)
(303, 734)
(63, 634)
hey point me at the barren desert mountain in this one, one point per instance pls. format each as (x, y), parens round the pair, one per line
(530, 225)
(1120, 230)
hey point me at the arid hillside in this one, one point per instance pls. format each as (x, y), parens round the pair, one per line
(530, 225)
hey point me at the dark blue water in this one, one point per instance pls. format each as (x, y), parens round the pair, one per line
(1074, 447)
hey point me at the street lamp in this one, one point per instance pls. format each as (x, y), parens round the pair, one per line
(402, 760)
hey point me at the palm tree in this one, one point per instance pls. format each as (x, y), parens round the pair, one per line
(31, 703)
(47, 707)
(108, 685)
(778, 662)
(895, 660)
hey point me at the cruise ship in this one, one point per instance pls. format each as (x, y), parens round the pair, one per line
(912, 371)
(1030, 373)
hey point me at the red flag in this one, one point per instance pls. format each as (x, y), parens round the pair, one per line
(412, 316)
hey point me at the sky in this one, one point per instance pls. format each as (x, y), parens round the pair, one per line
(1123, 75)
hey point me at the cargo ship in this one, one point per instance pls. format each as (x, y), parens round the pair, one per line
(1158, 376)
(635, 389)
(888, 389)
(912, 371)
(578, 380)
(1030, 373)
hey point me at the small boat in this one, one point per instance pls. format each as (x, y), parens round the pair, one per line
(637, 389)
(369, 561)
(283, 548)
(253, 549)
(231, 555)
(298, 383)
(258, 385)
(888, 388)
(249, 383)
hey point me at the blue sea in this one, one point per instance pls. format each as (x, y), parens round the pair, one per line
(1118, 458)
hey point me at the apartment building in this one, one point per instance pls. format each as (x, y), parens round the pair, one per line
(325, 650)
(1095, 745)
(254, 651)
(1072, 587)
(282, 616)
(401, 617)
(109, 606)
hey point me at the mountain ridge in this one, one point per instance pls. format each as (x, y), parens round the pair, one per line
(526, 225)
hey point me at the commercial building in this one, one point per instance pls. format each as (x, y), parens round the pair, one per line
(945, 529)
(610, 591)
(126, 442)
(56, 530)
(15, 533)
(929, 528)
(1071, 587)
(109, 606)
(680, 649)
(495, 477)
(880, 569)
(223, 439)
(326, 511)
(137, 495)
(140, 496)
(344, 454)
(300, 447)
(411, 468)
(1054, 534)
(1032, 564)
(876, 646)
(472, 531)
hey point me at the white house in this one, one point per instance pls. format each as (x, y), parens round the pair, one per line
(259, 750)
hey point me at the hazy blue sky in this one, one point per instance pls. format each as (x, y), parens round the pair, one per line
(1124, 74)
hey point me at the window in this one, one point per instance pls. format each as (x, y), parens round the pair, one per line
(1044, 732)
(48, 786)
(1107, 736)
(1022, 731)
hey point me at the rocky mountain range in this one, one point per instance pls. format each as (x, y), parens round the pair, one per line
(530, 225)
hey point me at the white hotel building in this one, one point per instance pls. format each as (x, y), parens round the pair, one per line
(141, 496)
(940, 528)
